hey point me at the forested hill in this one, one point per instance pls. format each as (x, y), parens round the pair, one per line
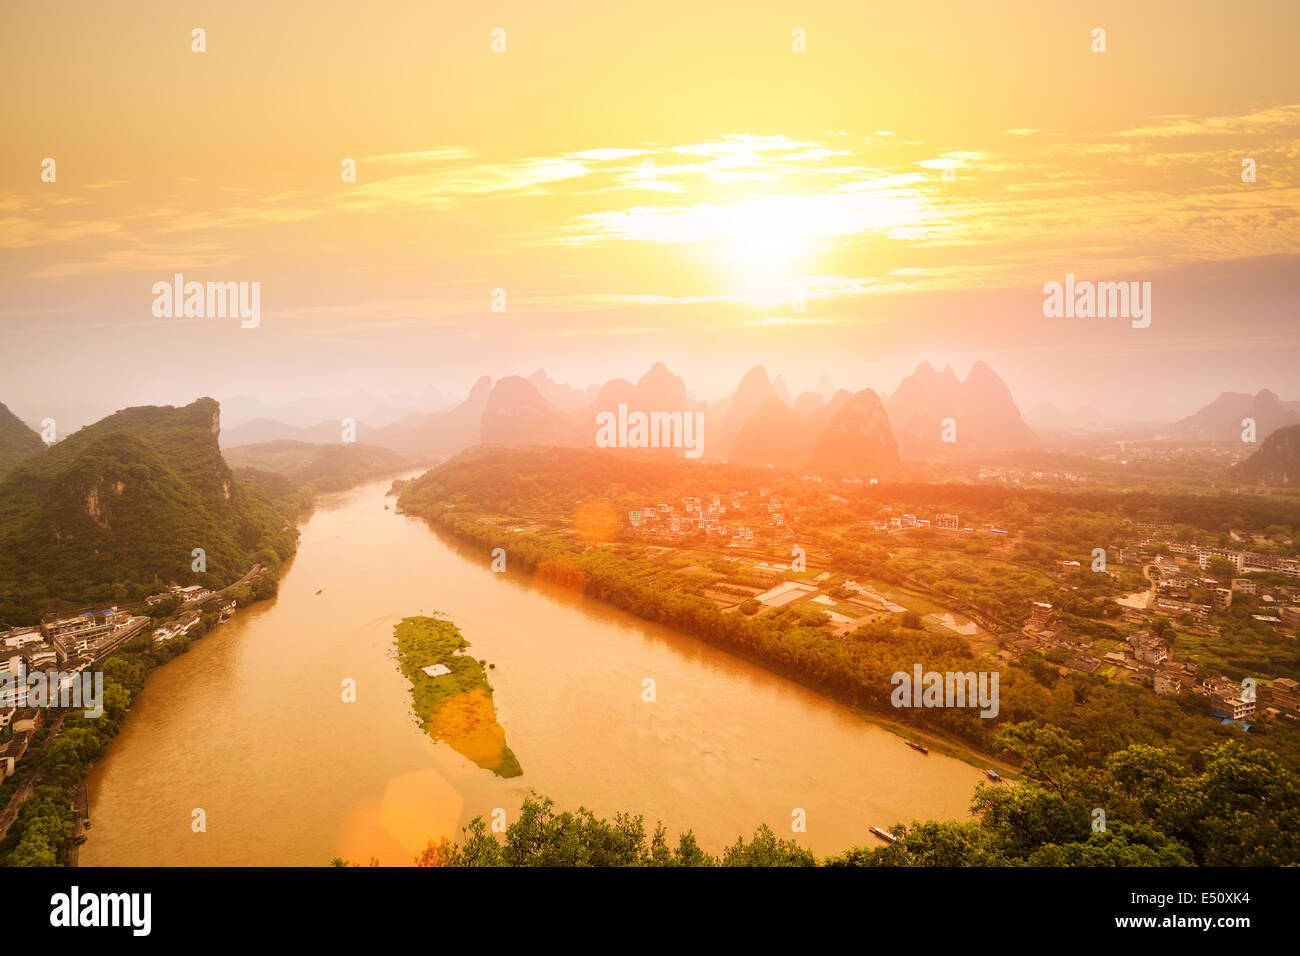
(114, 512)
(17, 441)
(1276, 463)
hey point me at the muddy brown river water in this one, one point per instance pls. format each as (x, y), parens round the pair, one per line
(251, 728)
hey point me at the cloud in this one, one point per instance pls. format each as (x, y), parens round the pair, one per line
(1270, 119)
(18, 232)
(422, 157)
(844, 217)
(161, 259)
(445, 185)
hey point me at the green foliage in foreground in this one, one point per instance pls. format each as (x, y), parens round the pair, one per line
(1238, 807)
(543, 837)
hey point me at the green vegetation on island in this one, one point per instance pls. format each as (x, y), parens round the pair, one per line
(454, 704)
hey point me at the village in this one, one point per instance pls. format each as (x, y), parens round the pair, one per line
(61, 648)
(1187, 585)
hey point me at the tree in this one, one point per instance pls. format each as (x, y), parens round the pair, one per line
(1118, 845)
(1021, 819)
(766, 850)
(436, 854)
(43, 828)
(1221, 567)
(1046, 754)
(1243, 810)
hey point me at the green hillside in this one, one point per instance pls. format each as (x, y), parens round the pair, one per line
(1276, 463)
(17, 441)
(114, 511)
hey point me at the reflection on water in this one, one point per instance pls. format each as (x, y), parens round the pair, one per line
(251, 725)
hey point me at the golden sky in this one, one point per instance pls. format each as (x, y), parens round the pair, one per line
(655, 182)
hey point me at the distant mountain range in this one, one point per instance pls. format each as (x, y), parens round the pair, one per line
(840, 433)
(321, 467)
(775, 432)
(937, 415)
(422, 434)
(363, 405)
(257, 431)
(847, 435)
(437, 433)
(564, 397)
(1277, 462)
(517, 413)
(733, 413)
(116, 509)
(857, 441)
(1221, 420)
(931, 415)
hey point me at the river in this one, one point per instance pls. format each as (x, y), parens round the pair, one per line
(250, 727)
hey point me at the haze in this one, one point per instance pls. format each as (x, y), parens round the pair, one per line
(643, 191)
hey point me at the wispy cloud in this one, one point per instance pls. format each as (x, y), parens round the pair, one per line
(1269, 120)
(840, 216)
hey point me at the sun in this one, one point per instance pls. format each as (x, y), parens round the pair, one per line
(764, 247)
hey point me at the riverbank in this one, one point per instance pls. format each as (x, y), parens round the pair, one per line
(41, 822)
(545, 560)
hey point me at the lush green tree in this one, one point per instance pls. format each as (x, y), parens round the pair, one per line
(1118, 845)
(766, 850)
(1046, 754)
(42, 828)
